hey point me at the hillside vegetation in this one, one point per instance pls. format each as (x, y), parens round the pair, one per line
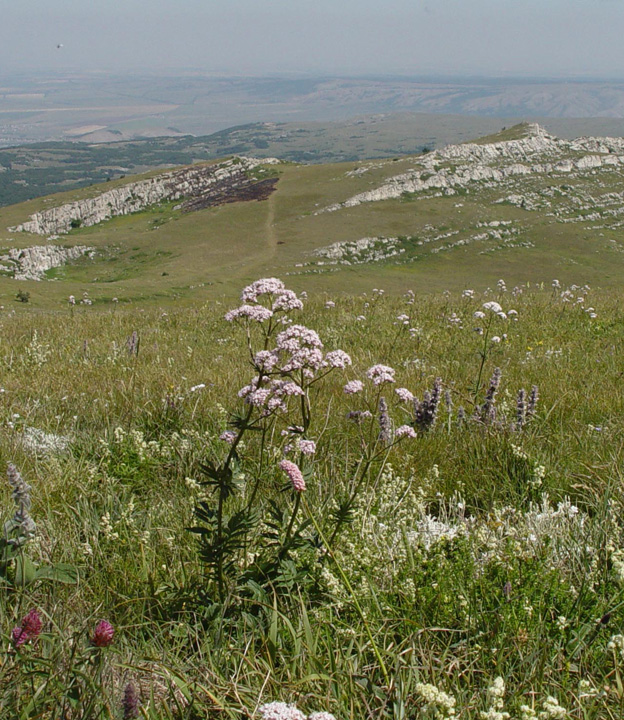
(318, 537)
(529, 209)
(385, 486)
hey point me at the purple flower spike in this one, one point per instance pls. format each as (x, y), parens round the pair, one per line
(130, 703)
(103, 635)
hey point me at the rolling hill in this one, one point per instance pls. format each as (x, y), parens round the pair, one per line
(522, 205)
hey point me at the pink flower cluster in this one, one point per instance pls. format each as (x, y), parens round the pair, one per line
(103, 635)
(337, 359)
(272, 396)
(294, 475)
(28, 630)
(353, 387)
(404, 395)
(380, 374)
(287, 301)
(258, 313)
(303, 347)
(264, 286)
(405, 431)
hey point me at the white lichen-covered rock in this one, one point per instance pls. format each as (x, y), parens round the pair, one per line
(187, 182)
(31, 263)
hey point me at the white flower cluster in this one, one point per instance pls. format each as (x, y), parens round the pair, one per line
(551, 711)
(495, 694)
(441, 704)
(283, 711)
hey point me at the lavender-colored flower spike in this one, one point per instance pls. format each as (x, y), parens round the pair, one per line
(521, 409)
(21, 498)
(426, 412)
(385, 424)
(448, 401)
(532, 404)
(461, 416)
(132, 343)
(130, 704)
(487, 412)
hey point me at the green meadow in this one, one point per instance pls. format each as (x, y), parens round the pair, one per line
(386, 489)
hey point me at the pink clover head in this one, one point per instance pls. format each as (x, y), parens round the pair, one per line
(103, 635)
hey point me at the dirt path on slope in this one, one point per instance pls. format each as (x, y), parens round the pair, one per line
(269, 226)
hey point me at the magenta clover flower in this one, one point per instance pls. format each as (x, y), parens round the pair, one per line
(28, 630)
(103, 635)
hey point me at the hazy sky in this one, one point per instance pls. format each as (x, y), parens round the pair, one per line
(489, 37)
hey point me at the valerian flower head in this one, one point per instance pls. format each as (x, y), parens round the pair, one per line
(287, 300)
(280, 711)
(306, 447)
(258, 313)
(353, 386)
(493, 306)
(405, 431)
(380, 374)
(404, 395)
(264, 286)
(337, 359)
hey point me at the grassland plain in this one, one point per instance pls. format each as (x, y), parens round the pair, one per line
(457, 557)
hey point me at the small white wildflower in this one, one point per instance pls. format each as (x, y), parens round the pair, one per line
(280, 711)
(552, 710)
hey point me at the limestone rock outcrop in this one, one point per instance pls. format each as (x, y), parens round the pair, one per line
(186, 183)
(456, 167)
(32, 263)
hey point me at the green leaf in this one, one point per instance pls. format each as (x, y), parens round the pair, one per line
(25, 570)
(61, 572)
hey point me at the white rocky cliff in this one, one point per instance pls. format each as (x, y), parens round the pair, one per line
(191, 182)
(32, 263)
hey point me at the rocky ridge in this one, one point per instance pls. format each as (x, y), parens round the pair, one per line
(216, 182)
(31, 263)
(456, 167)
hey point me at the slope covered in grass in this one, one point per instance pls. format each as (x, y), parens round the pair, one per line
(528, 207)
(459, 555)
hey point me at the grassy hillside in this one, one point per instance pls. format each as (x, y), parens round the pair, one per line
(534, 227)
(453, 558)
